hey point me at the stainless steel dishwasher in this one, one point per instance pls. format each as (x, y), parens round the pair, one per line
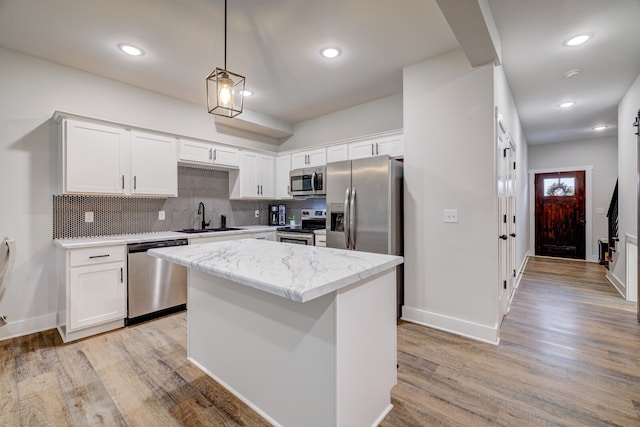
(155, 287)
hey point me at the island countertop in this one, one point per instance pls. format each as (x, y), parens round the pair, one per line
(296, 272)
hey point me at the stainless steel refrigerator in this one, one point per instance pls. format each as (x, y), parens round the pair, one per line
(364, 208)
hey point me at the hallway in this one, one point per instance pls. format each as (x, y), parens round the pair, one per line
(569, 355)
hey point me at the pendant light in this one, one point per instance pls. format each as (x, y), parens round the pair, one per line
(225, 90)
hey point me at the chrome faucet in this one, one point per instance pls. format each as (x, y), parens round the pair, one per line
(201, 212)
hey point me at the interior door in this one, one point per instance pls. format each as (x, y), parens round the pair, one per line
(503, 213)
(560, 214)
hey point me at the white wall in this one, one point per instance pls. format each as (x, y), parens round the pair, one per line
(32, 90)
(628, 178)
(373, 117)
(506, 106)
(451, 270)
(602, 154)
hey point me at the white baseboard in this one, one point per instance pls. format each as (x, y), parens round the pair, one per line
(27, 326)
(617, 283)
(465, 328)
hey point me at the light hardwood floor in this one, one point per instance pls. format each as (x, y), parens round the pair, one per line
(569, 355)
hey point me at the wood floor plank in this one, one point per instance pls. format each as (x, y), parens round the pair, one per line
(9, 402)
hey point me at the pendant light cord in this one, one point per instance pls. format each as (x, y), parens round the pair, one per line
(225, 35)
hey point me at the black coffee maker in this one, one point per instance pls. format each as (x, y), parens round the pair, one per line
(273, 214)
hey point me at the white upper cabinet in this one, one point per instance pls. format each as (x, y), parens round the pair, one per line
(109, 159)
(255, 177)
(390, 145)
(283, 167)
(154, 166)
(337, 153)
(94, 158)
(309, 159)
(207, 154)
(387, 146)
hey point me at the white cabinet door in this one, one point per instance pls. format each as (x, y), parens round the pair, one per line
(391, 146)
(95, 158)
(309, 159)
(195, 151)
(248, 176)
(283, 167)
(337, 153)
(267, 176)
(255, 177)
(224, 156)
(154, 166)
(362, 149)
(97, 294)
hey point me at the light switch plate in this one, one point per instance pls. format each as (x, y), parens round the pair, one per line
(600, 211)
(451, 215)
(88, 217)
(257, 213)
(161, 215)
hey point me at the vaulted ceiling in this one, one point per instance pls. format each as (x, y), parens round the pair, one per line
(276, 44)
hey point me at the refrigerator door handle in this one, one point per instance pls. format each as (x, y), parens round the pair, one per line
(352, 219)
(345, 219)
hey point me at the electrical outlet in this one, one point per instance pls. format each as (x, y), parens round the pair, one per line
(257, 213)
(451, 215)
(88, 217)
(161, 215)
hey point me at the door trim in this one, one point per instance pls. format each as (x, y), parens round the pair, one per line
(591, 254)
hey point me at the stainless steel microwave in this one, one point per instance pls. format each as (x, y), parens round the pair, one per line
(308, 181)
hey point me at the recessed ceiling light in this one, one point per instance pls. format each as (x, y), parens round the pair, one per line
(577, 40)
(130, 50)
(247, 92)
(330, 52)
(599, 128)
(573, 73)
(568, 104)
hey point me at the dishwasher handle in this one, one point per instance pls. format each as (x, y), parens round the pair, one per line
(145, 246)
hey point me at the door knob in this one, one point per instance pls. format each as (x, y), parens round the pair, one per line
(512, 234)
(503, 237)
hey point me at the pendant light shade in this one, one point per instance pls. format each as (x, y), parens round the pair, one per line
(225, 90)
(225, 93)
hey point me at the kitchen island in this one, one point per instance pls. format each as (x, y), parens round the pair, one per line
(304, 335)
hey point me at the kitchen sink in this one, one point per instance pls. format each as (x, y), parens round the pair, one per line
(207, 230)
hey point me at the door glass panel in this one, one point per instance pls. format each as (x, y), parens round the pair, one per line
(559, 187)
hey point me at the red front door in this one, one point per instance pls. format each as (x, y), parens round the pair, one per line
(560, 214)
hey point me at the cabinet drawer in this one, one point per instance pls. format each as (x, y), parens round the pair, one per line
(97, 255)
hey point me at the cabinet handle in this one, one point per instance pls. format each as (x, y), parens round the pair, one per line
(288, 190)
(376, 148)
(261, 190)
(258, 188)
(98, 256)
(121, 275)
(215, 154)
(372, 149)
(123, 182)
(135, 182)
(210, 153)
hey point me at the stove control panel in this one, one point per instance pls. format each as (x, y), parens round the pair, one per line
(314, 213)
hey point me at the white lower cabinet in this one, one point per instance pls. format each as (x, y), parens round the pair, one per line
(92, 291)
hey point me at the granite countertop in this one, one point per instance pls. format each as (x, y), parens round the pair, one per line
(296, 272)
(123, 239)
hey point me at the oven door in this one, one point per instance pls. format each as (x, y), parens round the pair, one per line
(296, 238)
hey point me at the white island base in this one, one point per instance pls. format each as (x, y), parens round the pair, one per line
(330, 361)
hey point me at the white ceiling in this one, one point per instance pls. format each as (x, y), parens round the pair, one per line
(535, 60)
(276, 43)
